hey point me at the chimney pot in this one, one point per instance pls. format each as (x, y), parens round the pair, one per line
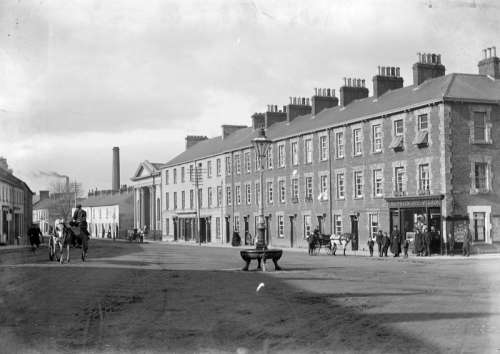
(307, 101)
(419, 57)
(433, 58)
(489, 52)
(438, 57)
(333, 92)
(484, 53)
(290, 99)
(303, 101)
(429, 58)
(349, 82)
(495, 51)
(345, 82)
(276, 108)
(397, 72)
(378, 69)
(328, 92)
(315, 91)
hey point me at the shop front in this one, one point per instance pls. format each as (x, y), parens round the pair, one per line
(412, 214)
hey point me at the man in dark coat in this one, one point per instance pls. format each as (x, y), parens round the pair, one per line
(80, 219)
(386, 242)
(370, 245)
(379, 237)
(34, 235)
(395, 242)
(419, 242)
(427, 242)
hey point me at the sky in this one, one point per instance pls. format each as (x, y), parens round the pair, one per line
(79, 77)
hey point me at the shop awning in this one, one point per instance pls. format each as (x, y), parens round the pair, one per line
(397, 142)
(421, 138)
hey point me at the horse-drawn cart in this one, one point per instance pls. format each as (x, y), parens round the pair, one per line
(330, 243)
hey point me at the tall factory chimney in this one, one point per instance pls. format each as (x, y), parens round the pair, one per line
(115, 175)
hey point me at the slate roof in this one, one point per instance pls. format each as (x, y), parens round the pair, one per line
(11, 179)
(466, 87)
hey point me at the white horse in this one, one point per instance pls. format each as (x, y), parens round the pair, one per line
(337, 241)
(55, 241)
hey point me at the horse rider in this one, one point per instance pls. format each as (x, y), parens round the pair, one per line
(80, 218)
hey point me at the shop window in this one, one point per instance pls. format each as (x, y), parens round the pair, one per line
(337, 224)
(479, 226)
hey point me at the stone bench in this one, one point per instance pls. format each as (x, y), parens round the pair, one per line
(261, 255)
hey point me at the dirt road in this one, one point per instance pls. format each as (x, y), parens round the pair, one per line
(160, 298)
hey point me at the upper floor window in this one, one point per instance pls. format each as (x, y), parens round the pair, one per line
(183, 174)
(248, 162)
(281, 155)
(175, 175)
(200, 197)
(270, 157)
(167, 203)
(295, 189)
(423, 122)
(282, 190)
(309, 188)
(191, 199)
(323, 184)
(398, 136)
(398, 127)
(219, 196)
(339, 145)
(481, 176)
(378, 183)
(340, 186)
(209, 196)
(400, 179)
(323, 147)
(358, 184)
(423, 178)
(237, 158)
(209, 169)
(308, 150)
(377, 138)
(228, 166)
(238, 195)
(191, 176)
(183, 199)
(218, 167)
(421, 138)
(295, 153)
(175, 200)
(357, 142)
(228, 196)
(270, 192)
(167, 177)
(248, 193)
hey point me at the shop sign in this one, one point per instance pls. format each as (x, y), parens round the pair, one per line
(414, 203)
(459, 231)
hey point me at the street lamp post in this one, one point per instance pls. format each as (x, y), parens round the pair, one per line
(261, 144)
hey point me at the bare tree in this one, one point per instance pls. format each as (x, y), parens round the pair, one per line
(65, 195)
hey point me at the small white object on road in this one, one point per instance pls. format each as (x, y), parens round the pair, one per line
(261, 285)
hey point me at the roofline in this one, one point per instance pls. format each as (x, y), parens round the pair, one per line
(326, 127)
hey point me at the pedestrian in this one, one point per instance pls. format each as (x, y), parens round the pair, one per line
(380, 236)
(427, 242)
(395, 242)
(406, 245)
(386, 242)
(467, 242)
(370, 244)
(418, 242)
(451, 242)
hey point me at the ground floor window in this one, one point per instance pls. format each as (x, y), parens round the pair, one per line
(167, 226)
(479, 226)
(307, 225)
(373, 219)
(337, 224)
(281, 226)
(217, 228)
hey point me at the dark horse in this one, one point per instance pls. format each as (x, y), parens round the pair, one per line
(72, 234)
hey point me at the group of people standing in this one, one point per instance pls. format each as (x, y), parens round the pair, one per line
(422, 244)
(395, 243)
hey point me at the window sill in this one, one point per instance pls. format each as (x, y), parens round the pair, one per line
(358, 198)
(377, 152)
(479, 191)
(481, 142)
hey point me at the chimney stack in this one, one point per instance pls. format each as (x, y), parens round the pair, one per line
(428, 67)
(353, 89)
(298, 106)
(230, 129)
(323, 98)
(67, 183)
(194, 139)
(490, 64)
(273, 116)
(115, 175)
(258, 120)
(387, 79)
